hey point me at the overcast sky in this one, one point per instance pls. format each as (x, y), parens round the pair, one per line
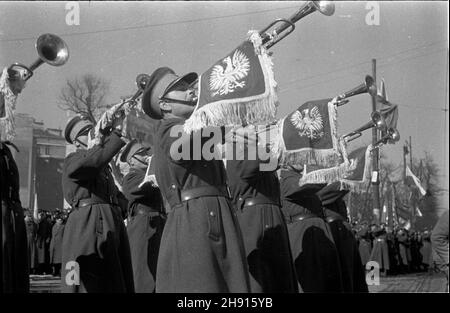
(323, 57)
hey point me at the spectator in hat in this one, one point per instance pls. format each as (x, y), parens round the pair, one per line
(15, 264)
(380, 249)
(201, 248)
(335, 212)
(31, 228)
(426, 251)
(94, 235)
(439, 241)
(364, 244)
(314, 253)
(43, 237)
(146, 218)
(56, 245)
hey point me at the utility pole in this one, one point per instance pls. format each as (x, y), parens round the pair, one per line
(375, 154)
(414, 196)
(410, 154)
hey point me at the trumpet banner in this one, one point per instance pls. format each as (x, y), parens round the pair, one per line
(7, 108)
(309, 135)
(358, 178)
(239, 89)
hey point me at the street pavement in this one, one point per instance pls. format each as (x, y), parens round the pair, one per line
(412, 283)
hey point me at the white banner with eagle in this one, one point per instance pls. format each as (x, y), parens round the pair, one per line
(237, 90)
(309, 135)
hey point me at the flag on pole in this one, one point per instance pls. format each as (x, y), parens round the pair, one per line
(411, 180)
(418, 212)
(388, 110)
(238, 89)
(384, 215)
(382, 91)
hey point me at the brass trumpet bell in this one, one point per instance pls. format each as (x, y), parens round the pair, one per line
(392, 136)
(367, 87)
(377, 121)
(51, 49)
(324, 7)
(269, 39)
(142, 81)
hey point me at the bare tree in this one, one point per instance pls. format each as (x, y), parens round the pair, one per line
(84, 95)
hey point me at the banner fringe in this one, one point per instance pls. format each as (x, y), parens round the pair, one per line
(326, 175)
(7, 123)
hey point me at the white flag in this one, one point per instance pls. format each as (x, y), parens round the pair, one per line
(416, 180)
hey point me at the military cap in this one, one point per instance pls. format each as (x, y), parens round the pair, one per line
(331, 193)
(75, 127)
(19, 71)
(160, 83)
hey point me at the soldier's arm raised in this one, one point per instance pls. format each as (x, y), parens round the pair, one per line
(88, 163)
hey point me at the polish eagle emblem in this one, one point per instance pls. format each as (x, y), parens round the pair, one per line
(225, 80)
(309, 124)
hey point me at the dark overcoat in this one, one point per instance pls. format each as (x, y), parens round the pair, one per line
(314, 253)
(43, 237)
(95, 236)
(380, 250)
(56, 243)
(14, 237)
(263, 226)
(201, 247)
(31, 240)
(144, 227)
(353, 272)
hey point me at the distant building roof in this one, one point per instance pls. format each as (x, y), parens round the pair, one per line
(48, 133)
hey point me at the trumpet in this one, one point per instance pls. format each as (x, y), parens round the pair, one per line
(141, 82)
(269, 39)
(377, 121)
(392, 136)
(368, 86)
(51, 50)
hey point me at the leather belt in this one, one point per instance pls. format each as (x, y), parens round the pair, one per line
(145, 210)
(331, 219)
(207, 191)
(300, 217)
(255, 201)
(90, 201)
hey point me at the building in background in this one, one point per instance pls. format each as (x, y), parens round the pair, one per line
(40, 158)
